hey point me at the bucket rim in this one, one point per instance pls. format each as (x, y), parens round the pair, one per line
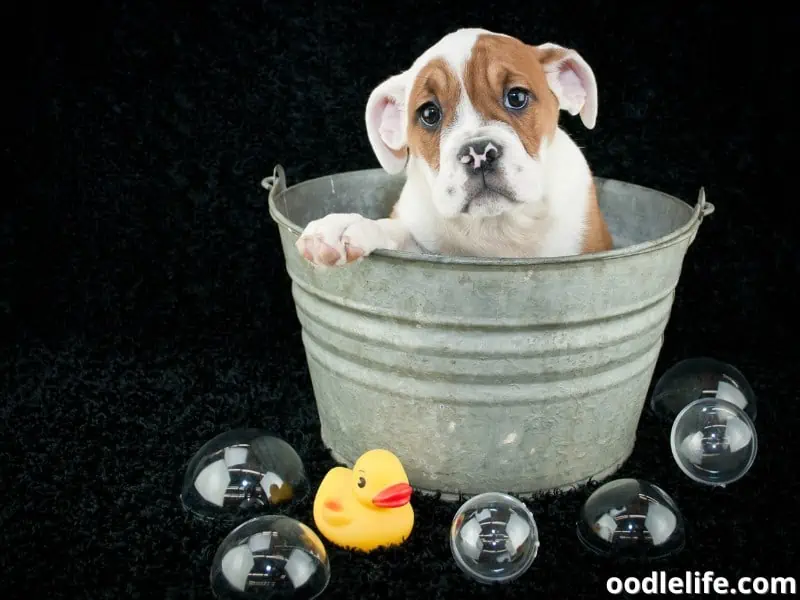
(687, 230)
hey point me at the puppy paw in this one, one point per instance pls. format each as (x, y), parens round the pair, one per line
(339, 239)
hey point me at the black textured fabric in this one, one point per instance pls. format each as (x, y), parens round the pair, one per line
(145, 306)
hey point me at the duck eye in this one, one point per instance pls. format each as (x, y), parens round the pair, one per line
(429, 114)
(517, 98)
(362, 482)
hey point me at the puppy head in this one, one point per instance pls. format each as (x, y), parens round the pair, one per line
(473, 116)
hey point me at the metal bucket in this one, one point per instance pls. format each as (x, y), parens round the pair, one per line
(515, 375)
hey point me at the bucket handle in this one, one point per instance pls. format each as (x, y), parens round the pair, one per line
(703, 209)
(275, 183)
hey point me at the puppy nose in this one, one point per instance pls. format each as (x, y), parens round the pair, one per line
(479, 154)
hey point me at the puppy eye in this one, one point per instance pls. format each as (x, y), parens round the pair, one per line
(517, 98)
(362, 482)
(429, 114)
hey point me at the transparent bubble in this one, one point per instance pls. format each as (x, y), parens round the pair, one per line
(242, 471)
(271, 556)
(714, 442)
(696, 378)
(631, 518)
(494, 538)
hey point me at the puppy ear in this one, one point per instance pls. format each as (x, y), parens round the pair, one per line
(386, 123)
(572, 81)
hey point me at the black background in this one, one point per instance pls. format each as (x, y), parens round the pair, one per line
(145, 308)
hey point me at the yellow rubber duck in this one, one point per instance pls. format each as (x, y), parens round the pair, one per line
(365, 507)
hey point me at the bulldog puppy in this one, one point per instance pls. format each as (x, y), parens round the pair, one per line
(489, 173)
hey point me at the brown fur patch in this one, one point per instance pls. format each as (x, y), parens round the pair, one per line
(498, 64)
(596, 238)
(435, 82)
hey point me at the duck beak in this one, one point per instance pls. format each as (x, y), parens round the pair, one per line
(393, 496)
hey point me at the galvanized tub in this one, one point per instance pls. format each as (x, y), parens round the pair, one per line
(514, 375)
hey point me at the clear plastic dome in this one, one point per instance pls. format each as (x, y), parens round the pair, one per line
(271, 556)
(696, 378)
(242, 471)
(494, 538)
(631, 518)
(714, 442)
